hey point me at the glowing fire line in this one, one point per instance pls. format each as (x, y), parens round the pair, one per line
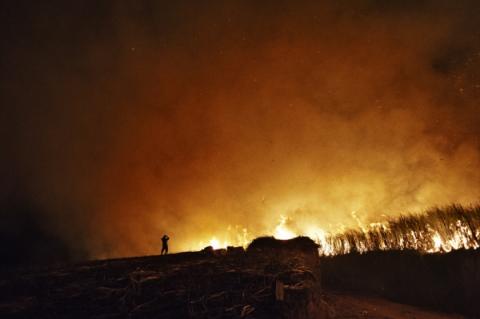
(428, 234)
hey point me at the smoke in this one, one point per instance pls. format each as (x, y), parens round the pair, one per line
(122, 122)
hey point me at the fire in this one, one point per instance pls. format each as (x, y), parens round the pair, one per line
(216, 244)
(411, 232)
(282, 231)
(232, 236)
(437, 231)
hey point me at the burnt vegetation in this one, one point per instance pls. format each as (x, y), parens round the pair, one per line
(227, 283)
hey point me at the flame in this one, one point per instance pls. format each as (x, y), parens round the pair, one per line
(282, 231)
(382, 236)
(232, 236)
(434, 232)
(216, 244)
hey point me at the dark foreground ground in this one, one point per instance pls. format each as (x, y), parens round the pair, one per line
(191, 285)
(445, 282)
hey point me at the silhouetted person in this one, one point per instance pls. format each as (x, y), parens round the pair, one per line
(165, 239)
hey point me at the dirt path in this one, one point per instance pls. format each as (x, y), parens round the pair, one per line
(354, 307)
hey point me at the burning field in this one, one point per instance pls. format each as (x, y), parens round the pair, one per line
(270, 279)
(428, 260)
(128, 124)
(219, 123)
(435, 231)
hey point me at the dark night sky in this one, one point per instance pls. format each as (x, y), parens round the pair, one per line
(122, 121)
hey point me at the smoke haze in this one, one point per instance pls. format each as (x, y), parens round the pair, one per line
(121, 122)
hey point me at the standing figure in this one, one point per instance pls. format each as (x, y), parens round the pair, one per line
(165, 239)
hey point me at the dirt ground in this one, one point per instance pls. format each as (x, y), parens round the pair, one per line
(347, 306)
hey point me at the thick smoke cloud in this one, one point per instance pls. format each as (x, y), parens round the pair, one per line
(124, 121)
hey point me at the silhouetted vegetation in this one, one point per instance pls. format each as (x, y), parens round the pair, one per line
(437, 230)
(445, 282)
(298, 244)
(427, 259)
